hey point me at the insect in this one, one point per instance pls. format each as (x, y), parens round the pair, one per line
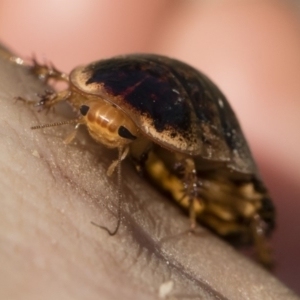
(180, 131)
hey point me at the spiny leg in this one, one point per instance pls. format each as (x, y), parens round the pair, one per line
(263, 249)
(49, 99)
(192, 214)
(70, 137)
(117, 162)
(24, 100)
(46, 72)
(191, 184)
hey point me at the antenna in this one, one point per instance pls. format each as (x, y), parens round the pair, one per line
(55, 124)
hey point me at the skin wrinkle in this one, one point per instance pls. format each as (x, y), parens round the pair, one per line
(144, 239)
(136, 232)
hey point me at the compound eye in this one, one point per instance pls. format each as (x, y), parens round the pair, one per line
(84, 109)
(125, 133)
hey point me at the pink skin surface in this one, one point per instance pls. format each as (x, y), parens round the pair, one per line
(249, 48)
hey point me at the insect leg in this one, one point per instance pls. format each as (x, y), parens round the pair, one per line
(72, 135)
(191, 184)
(264, 253)
(115, 163)
(192, 214)
(47, 100)
(46, 72)
(50, 98)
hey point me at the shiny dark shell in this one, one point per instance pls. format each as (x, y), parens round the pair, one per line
(172, 103)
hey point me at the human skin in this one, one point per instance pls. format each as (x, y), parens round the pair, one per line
(243, 75)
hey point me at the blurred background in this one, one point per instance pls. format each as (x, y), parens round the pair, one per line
(250, 49)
